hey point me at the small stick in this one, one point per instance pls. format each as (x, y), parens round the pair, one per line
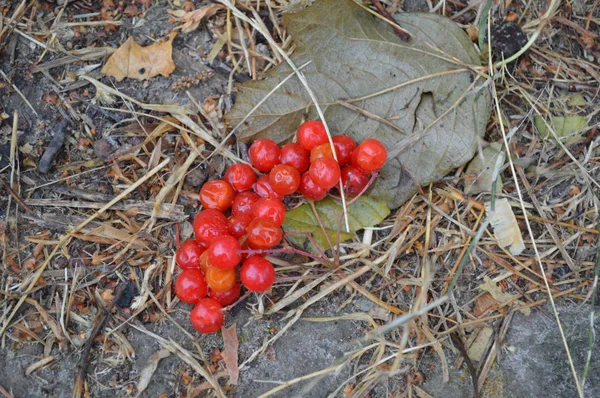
(5, 393)
(401, 33)
(15, 196)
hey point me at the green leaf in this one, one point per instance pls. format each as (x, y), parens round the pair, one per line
(365, 212)
(576, 100)
(563, 126)
(429, 118)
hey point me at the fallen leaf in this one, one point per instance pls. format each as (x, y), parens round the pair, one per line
(506, 229)
(429, 110)
(485, 169)
(230, 353)
(148, 371)
(365, 212)
(141, 63)
(191, 20)
(480, 343)
(496, 291)
(483, 303)
(576, 100)
(564, 126)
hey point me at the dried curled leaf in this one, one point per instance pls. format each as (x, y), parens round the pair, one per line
(506, 228)
(141, 63)
(148, 371)
(191, 20)
(230, 353)
(485, 169)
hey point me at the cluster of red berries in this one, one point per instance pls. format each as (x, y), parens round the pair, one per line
(210, 262)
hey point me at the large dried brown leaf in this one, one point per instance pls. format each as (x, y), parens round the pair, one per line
(191, 20)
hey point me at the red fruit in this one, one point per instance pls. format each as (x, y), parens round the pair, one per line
(240, 176)
(310, 190)
(217, 194)
(296, 156)
(220, 280)
(188, 254)
(263, 234)
(264, 189)
(208, 226)
(312, 133)
(190, 286)
(207, 317)
(344, 146)
(353, 180)
(264, 154)
(321, 151)
(243, 203)
(370, 155)
(223, 252)
(236, 225)
(273, 210)
(257, 274)
(204, 262)
(325, 172)
(284, 179)
(229, 297)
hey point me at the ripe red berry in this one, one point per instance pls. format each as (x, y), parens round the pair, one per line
(263, 234)
(264, 189)
(240, 176)
(190, 286)
(284, 179)
(325, 172)
(243, 203)
(220, 280)
(204, 262)
(321, 151)
(223, 252)
(229, 297)
(370, 155)
(344, 146)
(273, 210)
(312, 133)
(264, 154)
(207, 317)
(296, 156)
(310, 190)
(188, 254)
(208, 225)
(236, 225)
(257, 274)
(217, 194)
(353, 180)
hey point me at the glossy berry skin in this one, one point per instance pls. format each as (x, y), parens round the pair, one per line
(296, 156)
(264, 154)
(223, 252)
(325, 172)
(264, 189)
(240, 176)
(353, 180)
(263, 234)
(188, 254)
(321, 151)
(257, 274)
(204, 262)
(344, 146)
(217, 194)
(229, 297)
(273, 210)
(236, 225)
(284, 179)
(208, 226)
(190, 286)
(243, 203)
(370, 155)
(207, 317)
(310, 190)
(220, 280)
(311, 133)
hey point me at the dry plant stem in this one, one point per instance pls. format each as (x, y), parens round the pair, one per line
(456, 339)
(5, 393)
(15, 196)
(592, 332)
(403, 34)
(19, 92)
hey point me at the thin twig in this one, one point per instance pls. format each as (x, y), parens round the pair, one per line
(15, 196)
(403, 34)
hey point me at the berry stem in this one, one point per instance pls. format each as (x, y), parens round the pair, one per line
(289, 249)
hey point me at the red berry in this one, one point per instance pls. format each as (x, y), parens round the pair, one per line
(223, 252)
(296, 156)
(312, 133)
(204, 262)
(236, 225)
(274, 210)
(208, 226)
(353, 180)
(321, 151)
(325, 172)
(188, 254)
(240, 176)
(264, 189)
(263, 234)
(284, 179)
(190, 286)
(220, 280)
(264, 154)
(257, 274)
(217, 194)
(370, 155)
(310, 190)
(344, 146)
(243, 203)
(207, 317)
(229, 297)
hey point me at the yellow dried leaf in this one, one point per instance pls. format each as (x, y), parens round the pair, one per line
(141, 63)
(191, 20)
(506, 229)
(496, 291)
